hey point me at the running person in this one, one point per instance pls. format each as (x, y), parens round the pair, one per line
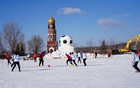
(73, 58)
(79, 57)
(135, 61)
(69, 59)
(84, 58)
(16, 61)
(41, 59)
(8, 58)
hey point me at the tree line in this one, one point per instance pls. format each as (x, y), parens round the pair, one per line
(13, 40)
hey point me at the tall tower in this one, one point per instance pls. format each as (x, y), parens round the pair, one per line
(51, 42)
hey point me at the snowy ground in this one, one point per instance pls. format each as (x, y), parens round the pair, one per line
(116, 72)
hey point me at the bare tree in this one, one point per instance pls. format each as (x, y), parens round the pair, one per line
(12, 35)
(22, 47)
(90, 44)
(2, 49)
(35, 44)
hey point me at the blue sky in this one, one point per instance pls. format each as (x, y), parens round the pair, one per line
(81, 19)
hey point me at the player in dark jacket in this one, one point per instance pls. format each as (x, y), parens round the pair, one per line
(41, 59)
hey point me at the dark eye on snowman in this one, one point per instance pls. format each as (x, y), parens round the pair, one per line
(64, 41)
(70, 41)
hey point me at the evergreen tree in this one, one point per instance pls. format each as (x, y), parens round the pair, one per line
(103, 46)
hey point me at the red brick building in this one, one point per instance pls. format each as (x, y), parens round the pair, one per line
(51, 42)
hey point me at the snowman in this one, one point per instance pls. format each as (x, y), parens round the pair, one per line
(66, 44)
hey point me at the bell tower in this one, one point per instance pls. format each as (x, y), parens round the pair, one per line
(51, 42)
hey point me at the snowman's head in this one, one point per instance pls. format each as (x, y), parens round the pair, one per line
(65, 40)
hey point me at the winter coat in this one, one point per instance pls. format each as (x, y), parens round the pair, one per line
(73, 57)
(84, 56)
(69, 58)
(135, 57)
(17, 58)
(41, 55)
(139, 54)
(7, 56)
(13, 57)
(35, 55)
(108, 53)
(79, 54)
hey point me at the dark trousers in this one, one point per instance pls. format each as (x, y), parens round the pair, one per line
(95, 55)
(84, 61)
(16, 63)
(69, 61)
(135, 65)
(74, 62)
(79, 60)
(41, 61)
(34, 59)
(9, 62)
(12, 63)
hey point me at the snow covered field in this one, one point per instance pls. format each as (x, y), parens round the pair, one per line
(116, 72)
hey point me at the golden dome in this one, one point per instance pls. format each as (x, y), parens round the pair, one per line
(51, 20)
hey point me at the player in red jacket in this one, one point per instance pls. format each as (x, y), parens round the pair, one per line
(108, 54)
(69, 59)
(35, 56)
(41, 59)
(139, 54)
(8, 58)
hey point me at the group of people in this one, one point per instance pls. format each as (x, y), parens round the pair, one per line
(108, 53)
(16, 57)
(72, 58)
(41, 60)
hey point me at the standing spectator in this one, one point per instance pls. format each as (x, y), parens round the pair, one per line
(35, 56)
(41, 59)
(108, 54)
(135, 61)
(84, 58)
(79, 57)
(16, 61)
(8, 58)
(95, 54)
(3, 56)
(73, 58)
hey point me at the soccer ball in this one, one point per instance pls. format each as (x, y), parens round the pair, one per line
(65, 40)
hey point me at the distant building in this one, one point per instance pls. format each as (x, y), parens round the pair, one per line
(51, 42)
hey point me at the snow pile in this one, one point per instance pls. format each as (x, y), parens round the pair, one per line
(55, 55)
